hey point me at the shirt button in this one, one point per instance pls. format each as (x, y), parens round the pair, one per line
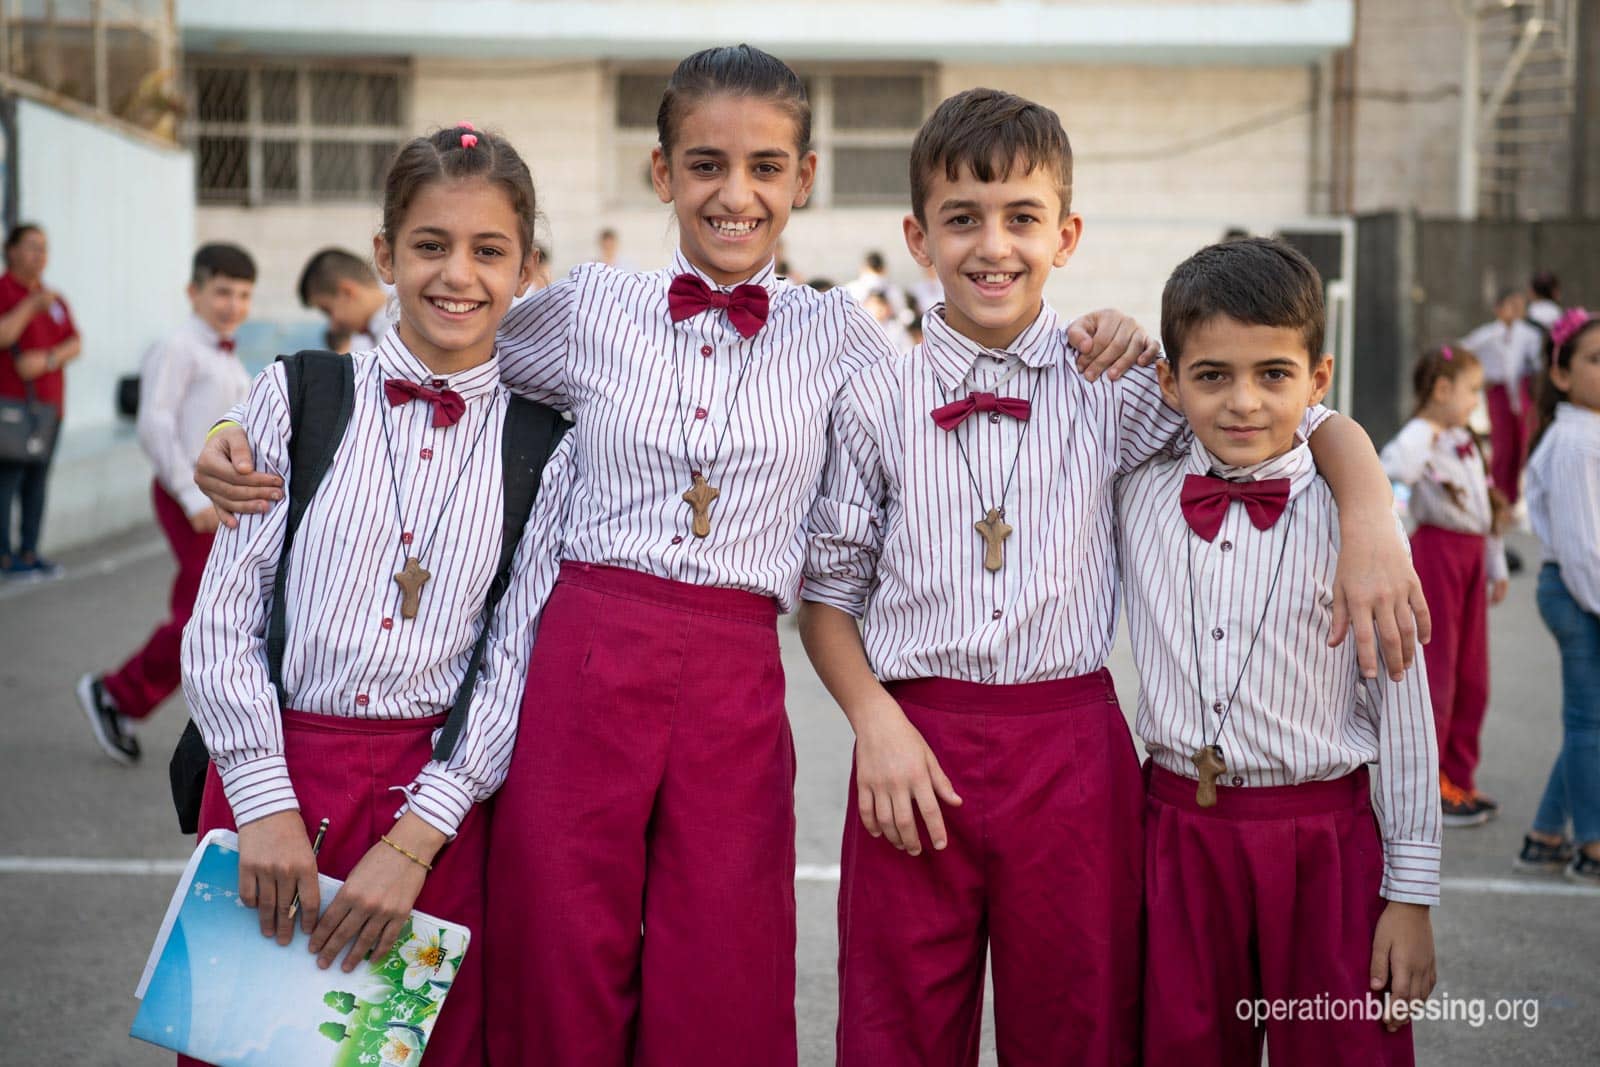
(361, 700)
(699, 413)
(426, 453)
(677, 539)
(1237, 780)
(994, 417)
(1216, 635)
(1217, 707)
(405, 538)
(705, 350)
(388, 624)
(1226, 546)
(996, 614)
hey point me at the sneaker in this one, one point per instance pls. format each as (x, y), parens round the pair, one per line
(1458, 807)
(44, 568)
(1487, 803)
(1514, 564)
(110, 728)
(1584, 870)
(1538, 856)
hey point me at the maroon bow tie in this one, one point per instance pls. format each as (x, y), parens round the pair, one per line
(955, 413)
(448, 407)
(226, 344)
(746, 305)
(1465, 449)
(1205, 502)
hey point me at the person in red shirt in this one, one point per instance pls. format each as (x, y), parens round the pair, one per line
(37, 339)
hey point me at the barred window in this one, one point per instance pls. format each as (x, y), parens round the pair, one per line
(277, 131)
(862, 124)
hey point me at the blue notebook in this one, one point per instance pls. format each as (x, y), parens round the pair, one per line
(215, 989)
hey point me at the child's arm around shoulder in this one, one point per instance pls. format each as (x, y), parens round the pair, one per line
(535, 338)
(1376, 590)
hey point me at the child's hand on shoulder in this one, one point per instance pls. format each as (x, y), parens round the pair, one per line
(1109, 342)
(1402, 957)
(899, 777)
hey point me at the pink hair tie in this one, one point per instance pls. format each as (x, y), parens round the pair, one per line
(465, 125)
(469, 140)
(1444, 350)
(1567, 325)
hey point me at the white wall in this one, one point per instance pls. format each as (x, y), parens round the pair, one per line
(119, 214)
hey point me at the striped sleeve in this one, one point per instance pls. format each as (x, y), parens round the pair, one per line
(1406, 793)
(1146, 426)
(225, 676)
(535, 337)
(844, 529)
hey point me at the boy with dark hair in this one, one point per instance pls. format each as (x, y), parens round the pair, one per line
(343, 287)
(188, 381)
(1268, 878)
(966, 520)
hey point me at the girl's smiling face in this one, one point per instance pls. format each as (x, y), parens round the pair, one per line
(734, 174)
(456, 262)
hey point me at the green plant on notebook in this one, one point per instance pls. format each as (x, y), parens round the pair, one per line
(387, 1017)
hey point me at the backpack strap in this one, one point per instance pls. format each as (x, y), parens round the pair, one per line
(532, 432)
(321, 388)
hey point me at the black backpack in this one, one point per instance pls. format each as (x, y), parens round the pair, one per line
(321, 387)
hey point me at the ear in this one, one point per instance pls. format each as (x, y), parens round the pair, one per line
(383, 258)
(916, 241)
(1321, 378)
(192, 290)
(661, 174)
(1071, 232)
(808, 177)
(1169, 384)
(1561, 377)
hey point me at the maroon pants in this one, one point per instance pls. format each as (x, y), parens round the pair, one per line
(1042, 869)
(1269, 899)
(1454, 574)
(1509, 431)
(652, 789)
(152, 674)
(342, 771)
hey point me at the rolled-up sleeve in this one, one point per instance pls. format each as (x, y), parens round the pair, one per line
(844, 529)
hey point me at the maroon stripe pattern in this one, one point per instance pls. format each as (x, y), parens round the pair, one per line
(349, 652)
(1302, 712)
(654, 400)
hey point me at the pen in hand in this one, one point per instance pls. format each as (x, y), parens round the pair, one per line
(316, 847)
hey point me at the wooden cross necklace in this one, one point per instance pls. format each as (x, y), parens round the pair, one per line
(701, 493)
(1208, 758)
(412, 577)
(993, 527)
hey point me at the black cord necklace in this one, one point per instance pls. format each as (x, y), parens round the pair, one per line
(701, 492)
(993, 527)
(1208, 758)
(412, 577)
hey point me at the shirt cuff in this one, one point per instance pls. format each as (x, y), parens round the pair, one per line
(1498, 570)
(848, 596)
(1411, 872)
(439, 798)
(258, 787)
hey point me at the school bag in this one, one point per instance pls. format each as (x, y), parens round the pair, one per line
(321, 388)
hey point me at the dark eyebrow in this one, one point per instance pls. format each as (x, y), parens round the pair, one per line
(972, 205)
(717, 153)
(489, 235)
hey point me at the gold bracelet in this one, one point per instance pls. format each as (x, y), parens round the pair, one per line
(407, 853)
(213, 431)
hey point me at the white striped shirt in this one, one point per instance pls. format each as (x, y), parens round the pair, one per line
(601, 344)
(186, 381)
(1302, 711)
(349, 652)
(891, 535)
(1448, 490)
(1563, 491)
(1509, 351)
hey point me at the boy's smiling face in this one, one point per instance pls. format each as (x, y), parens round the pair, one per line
(993, 245)
(1245, 388)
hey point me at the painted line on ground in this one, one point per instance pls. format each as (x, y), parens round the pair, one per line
(96, 568)
(805, 872)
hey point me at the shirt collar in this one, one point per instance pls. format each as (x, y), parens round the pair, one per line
(1579, 418)
(396, 361)
(953, 355)
(1295, 465)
